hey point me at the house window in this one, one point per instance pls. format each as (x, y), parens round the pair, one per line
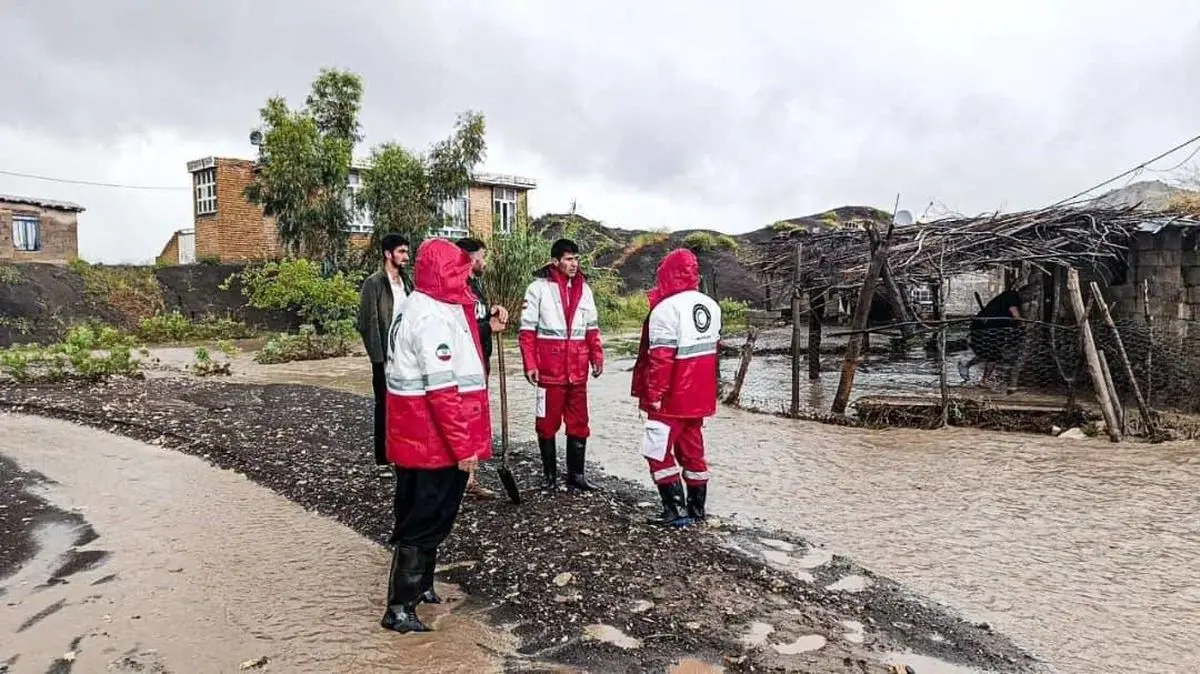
(504, 207)
(452, 214)
(921, 295)
(205, 184)
(360, 220)
(27, 232)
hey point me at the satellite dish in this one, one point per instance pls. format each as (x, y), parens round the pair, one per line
(256, 137)
(903, 218)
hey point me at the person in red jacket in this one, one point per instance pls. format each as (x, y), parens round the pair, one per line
(675, 382)
(560, 340)
(438, 422)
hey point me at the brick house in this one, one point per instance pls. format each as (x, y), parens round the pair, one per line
(227, 227)
(38, 230)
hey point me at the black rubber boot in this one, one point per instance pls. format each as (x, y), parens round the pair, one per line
(696, 495)
(576, 460)
(404, 591)
(549, 463)
(428, 594)
(674, 506)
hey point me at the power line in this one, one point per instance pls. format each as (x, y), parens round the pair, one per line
(91, 183)
(1135, 169)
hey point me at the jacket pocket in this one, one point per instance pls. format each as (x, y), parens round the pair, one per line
(655, 437)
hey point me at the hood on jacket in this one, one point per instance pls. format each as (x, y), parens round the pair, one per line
(678, 272)
(441, 271)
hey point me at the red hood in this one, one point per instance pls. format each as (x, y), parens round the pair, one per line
(441, 271)
(678, 272)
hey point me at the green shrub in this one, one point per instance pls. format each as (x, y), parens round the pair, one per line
(11, 275)
(133, 291)
(175, 327)
(708, 241)
(205, 366)
(733, 314)
(87, 353)
(299, 286)
(308, 344)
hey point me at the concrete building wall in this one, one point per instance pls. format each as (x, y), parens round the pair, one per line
(58, 233)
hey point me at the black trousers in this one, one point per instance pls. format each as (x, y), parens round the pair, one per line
(379, 386)
(426, 505)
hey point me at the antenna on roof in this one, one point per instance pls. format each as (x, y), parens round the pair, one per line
(256, 137)
(903, 218)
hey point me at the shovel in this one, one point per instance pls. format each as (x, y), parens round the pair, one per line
(506, 476)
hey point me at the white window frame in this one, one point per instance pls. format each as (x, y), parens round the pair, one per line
(27, 232)
(204, 188)
(504, 204)
(921, 294)
(454, 215)
(361, 222)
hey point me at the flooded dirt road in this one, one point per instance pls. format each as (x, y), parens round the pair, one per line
(149, 560)
(1081, 550)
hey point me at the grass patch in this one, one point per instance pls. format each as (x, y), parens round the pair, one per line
(703, 242)
(175, 327)
(10, 275)
(133, 292)
(306, 345)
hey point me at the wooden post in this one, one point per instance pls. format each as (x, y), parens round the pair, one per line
(796, 310)
(943, 387)
(1093, 360)
(1149, 339)
(1118, 408)
(816, 315)
(1143, 408)
(899, 302)
(859, 323)
(735, 395)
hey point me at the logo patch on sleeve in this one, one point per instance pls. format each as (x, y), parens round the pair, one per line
(442, 352)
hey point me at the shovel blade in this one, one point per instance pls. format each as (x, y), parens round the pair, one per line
(510, 485)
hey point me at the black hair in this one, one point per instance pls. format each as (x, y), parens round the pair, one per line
(391, 242)
(470, 245)
(563, 247)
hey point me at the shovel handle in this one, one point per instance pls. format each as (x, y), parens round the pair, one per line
(503, 400)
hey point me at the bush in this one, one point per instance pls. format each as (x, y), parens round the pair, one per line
(733, 314)
(133, 291)
(298, 286)
(87, 353)
(175, 327)
(702, 242)
(205, 366)
(308, 344)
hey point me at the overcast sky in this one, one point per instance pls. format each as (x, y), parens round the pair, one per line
(650, 114)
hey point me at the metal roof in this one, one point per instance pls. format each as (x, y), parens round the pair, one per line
(42, 203)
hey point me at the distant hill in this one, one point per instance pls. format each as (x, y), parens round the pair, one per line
(1151, 195)
(634, 254)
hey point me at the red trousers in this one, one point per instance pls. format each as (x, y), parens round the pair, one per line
(562, 403)
(673, 446)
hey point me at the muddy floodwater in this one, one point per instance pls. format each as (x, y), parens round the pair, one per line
(1083, 551)
(158, 563)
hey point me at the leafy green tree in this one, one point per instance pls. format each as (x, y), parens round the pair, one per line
(402, 189)
(304, 166)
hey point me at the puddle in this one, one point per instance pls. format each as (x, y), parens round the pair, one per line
(805, 644)
(855, 632)
(205, 571)
(923, 664)
(757, 634)
(611, 635)
(850, 583)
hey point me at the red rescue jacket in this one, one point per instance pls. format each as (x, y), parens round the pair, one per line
(437, 401)
(677, 358)
(560, 328)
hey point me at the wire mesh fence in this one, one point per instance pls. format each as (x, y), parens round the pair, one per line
(997, 363)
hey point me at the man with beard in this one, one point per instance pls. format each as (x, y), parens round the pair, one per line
(439, 425)
(490, 318)
(675, 382)
(560, 339)
(381, 302)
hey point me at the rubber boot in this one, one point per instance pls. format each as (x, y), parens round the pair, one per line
(696, 495)
(576, 460)
(549, 463)
(428, 594)
(673, 506)
(404, 591)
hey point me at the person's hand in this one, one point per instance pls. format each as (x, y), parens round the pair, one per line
(531, 376)
(597, 369)
(655, 405)
(468, 465)
(499, 320)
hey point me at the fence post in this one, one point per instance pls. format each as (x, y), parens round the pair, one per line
(796, 308)
(1143, 408)
(1089, 352)
(859, 324)
(735, 394)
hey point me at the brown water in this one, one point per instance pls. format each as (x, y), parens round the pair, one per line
(207, 571)
(1083, 551)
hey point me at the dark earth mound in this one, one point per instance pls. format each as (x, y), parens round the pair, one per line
(553, 565)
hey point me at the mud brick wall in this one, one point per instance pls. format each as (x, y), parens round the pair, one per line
(1169, 263)
(59, 232)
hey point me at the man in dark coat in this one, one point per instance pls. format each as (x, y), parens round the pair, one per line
(490, 318)
(995, 332)
(380, 304)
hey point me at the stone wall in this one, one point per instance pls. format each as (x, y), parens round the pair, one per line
(1168, 264)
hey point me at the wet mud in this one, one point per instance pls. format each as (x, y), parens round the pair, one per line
(580, 580)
